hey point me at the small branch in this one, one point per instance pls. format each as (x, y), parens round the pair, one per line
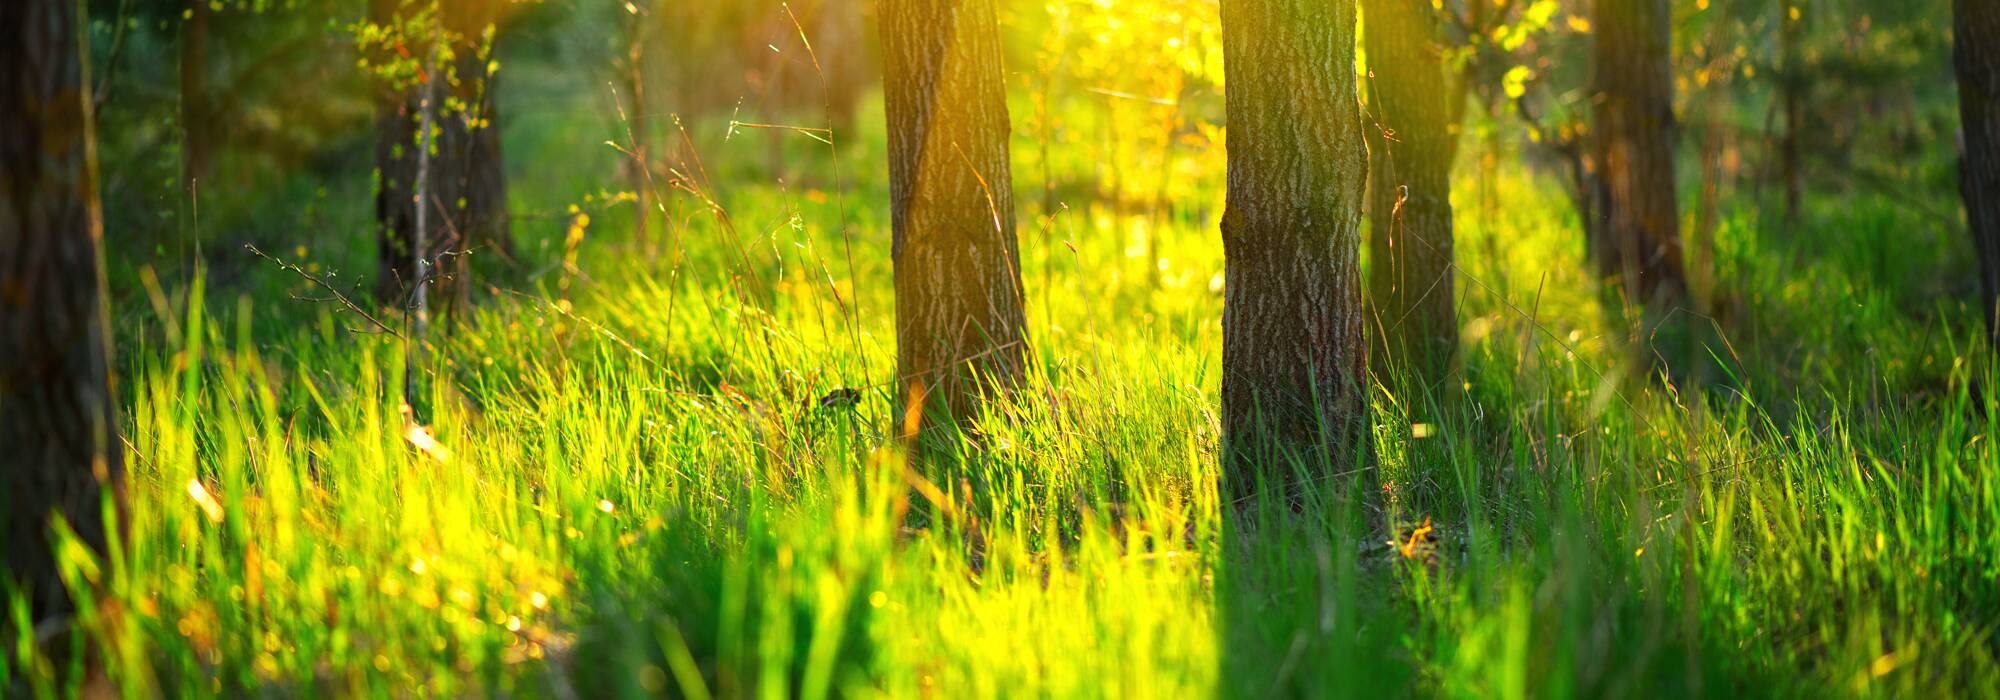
(323, 284)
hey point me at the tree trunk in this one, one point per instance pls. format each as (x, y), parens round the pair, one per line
(1976, 28)
(466, 188)
(1791, 83)
(1410, 152)
(1294, 357)
(959, 320)
(636, 124)
(194, 107)
(57, 422)
(839, 40)
(1636, 244)
(396, 166)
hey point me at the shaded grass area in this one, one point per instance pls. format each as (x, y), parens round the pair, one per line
(665, 471)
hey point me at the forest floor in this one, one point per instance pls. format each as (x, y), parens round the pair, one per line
(664, 466)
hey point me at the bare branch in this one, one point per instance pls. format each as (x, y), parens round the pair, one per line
(323, 284)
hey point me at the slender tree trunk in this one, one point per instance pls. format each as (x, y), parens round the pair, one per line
(422, 264)
(1701, 249)
(958, 280)
(1410, 152)
(57, 422)
(839, 41)
(396, 168)
(465, 189)
(1636, 245)
(1294, 355)
(1791, 85)
(635, 121)
(1976, 28)
(194, 107)
(470, 179)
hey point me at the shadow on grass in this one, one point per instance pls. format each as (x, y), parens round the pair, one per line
(1508, 569)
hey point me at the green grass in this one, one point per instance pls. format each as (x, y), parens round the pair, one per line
(645, 495)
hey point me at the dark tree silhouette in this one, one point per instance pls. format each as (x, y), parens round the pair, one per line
(1411, 148)
(466, 190)
(1792, 80)
(58, 432)
(958, 281)
(1294, 354)
(194, 102)
(1634, 223)
(1976, 29)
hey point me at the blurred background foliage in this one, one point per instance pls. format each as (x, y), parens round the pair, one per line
(1117, 104)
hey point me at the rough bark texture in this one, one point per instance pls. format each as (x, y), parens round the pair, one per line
(1411, 148)
(467, 191)
(958, 281)
(1636, 239)
(58, 433)
(1976, 29)
(1294, 355)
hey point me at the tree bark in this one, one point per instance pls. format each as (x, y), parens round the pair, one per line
(1411, 149)
(1294, 357)
(1636, 243)
(57, 423)
(466, 188)
(959, 320)
(1976, 29)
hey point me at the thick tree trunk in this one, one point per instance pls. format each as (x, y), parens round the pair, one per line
(58, 433)
(1294, 355)
(958, 278)
(466, 192)
(1410, 152)
(1636, 242)
(1976, 28)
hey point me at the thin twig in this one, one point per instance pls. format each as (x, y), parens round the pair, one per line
(323, 284)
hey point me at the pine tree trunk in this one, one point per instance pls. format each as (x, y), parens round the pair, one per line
(1410, 152)
(1294, 355)
(58, 433)
(1636, 244)
(1976, 28)
(957, 263)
